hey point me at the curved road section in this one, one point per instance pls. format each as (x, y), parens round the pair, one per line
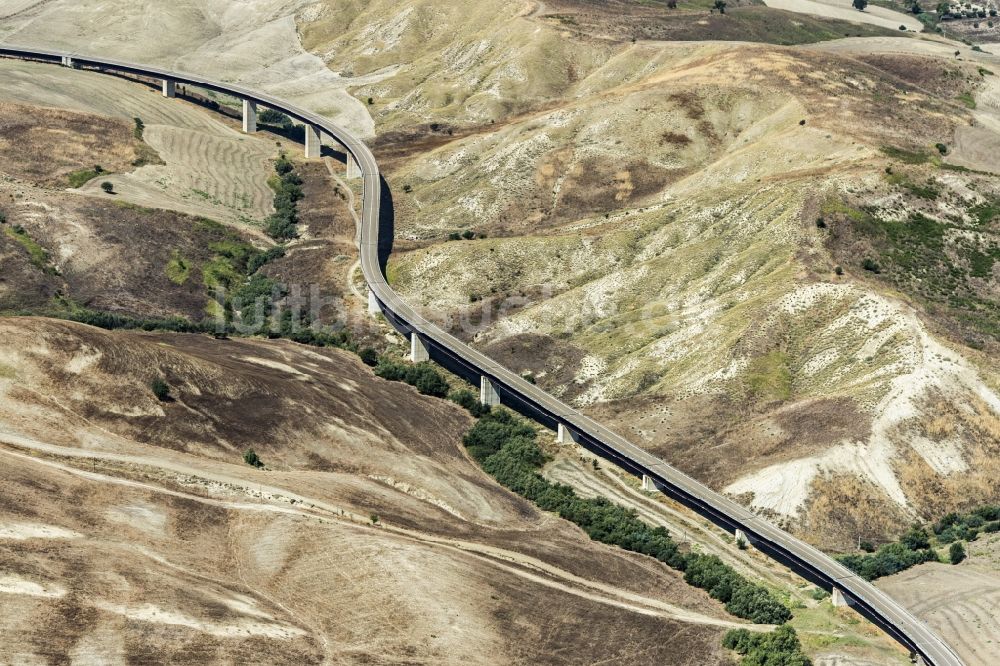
(527, 398)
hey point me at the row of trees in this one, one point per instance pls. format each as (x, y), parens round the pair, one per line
(287, 186)
(505, 445)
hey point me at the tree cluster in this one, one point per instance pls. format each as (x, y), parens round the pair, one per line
(423, 376)
(505, 446)
(287, 187)
(781, 647)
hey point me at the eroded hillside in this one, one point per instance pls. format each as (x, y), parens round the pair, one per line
(704, 244)
(171, 540)
(681, 243)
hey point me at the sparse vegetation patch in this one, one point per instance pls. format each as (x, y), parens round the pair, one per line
(38, 255)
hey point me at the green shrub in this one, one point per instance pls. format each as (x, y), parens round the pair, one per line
(287, 187)
(108, 187)
(915, 539)
(251, 458)
(82, 176)
(956, 553)
(423, 376)
(368, 356)
(258, 291)
(780, 647)
(272, 117)
(887, 560)
(470, 401)
(871, 265)
(160, 389)
(258, 260)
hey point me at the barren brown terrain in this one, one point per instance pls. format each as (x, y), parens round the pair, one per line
(171, 546)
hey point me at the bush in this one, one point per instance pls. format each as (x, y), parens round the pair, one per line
(470, 401)
(258, 260)
(871, 265)
(943, 149)
(3, 217)
(957, 552)
(272, 117)
(251, 458)
(287, 187)
(160, 389)
(139, 128)
(108, 187)
(423, 376)
(781, 647)
(368, 356)
(887, 560)
(915, 539)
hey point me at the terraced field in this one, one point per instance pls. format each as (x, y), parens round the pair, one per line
(211, 168)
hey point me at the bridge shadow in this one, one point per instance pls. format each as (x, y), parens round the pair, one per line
(386, 224)
(339, 155)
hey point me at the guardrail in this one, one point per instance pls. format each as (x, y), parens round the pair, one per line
(519, 394)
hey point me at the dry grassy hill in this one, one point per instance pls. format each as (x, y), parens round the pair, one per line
(674, 240)
(172, 548)
(784, 255)
(368, 536)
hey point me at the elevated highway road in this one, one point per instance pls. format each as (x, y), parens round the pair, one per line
(501, 385)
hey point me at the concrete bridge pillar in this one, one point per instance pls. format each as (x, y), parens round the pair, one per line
(67, 61)
(353, 170)
(313, 144)
(741, 537)
(488, 394)
(169, 88)
(373, 307)
(838, 598)
(564, 434)
(249, 116)
(648, 484)
(418, 350)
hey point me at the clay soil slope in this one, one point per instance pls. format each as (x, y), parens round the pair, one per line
(131, 530)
